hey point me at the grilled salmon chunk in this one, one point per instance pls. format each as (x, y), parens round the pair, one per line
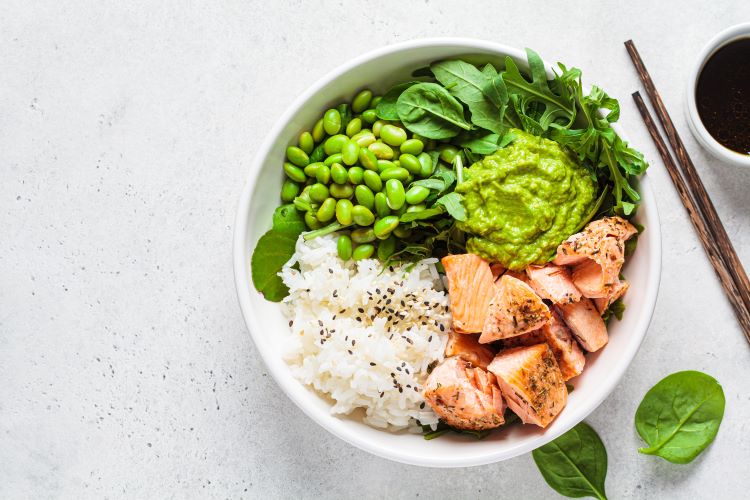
(586, 323)
(531, 383)
(514, 310)
(553, 283)
(465, 397)
(618, 291)
(471, 288)
(468, 348)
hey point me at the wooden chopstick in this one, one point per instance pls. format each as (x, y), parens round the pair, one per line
(709, 244)
(700, 195)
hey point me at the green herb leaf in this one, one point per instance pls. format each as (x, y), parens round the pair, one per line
(386, 108)
(480, 143)
(431, 111)
(453, 205)
(680, 416)
(431, 183)
(575, 464)
(287, 219)
(422, 214)
(274, 249)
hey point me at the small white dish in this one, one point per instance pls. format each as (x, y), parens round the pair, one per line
(694, 120)
(379, 70)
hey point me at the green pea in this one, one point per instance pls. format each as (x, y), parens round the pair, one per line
(425, 161)
(318, 132)
(312, 168)
(318, 192)
(392, 135)
(362, 216)
(412, 147)
(381, 205)
(375, 100)
(297, 156)
(394, 173)
(289, 191)
(361, 101)
(311, 221)
(332, 121)
(410, 163)
(341, 190)
(323, 174)
(370, 116)
(402, 232)
(356, 175)
(354, 126)
(334, 158)
(377, 127)
(416, 208)
(295, 173)
(385, 226)
(364, 196)
(381, 150)
(344, 247)
(448, 153)
(334, 144)
(327, 210)
(364, 140)
(318, 154)
(373, 180)
(386, 248)
(306, 142)
(394, 192)
(368, 159)
(363, 235)
(344, 212)
(339, 175)
(363, 251)
(416, 195)
(384, 165)
(350, 153)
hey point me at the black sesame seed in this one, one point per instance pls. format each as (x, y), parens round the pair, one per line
(372, 364)
(360, 309)
(291, 322)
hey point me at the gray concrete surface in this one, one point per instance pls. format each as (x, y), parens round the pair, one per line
(126, 130)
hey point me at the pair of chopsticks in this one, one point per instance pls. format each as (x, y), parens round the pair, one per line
(694, 197)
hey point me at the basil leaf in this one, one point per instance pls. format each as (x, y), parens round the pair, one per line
(680, 416)
(453, 205)
(575, 464)
(274, 249)
(431, 111)
(386, 108)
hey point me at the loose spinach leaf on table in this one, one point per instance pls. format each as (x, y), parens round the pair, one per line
(575, 464)
(431, 111)
(680, 416)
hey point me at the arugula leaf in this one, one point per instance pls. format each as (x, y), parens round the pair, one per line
(453, 205)
(431, 111)
(386, 108)
(680, 416)
(575, 464)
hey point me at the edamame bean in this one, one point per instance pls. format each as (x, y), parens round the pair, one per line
(344, 212)
(370, 116)
(362, 216)
(363, 251)
(361, 101)
(410, 163)
(334, 158)
(312, 168)
(364, 196)
(394, 173)
(350, 153)
(356, 175)
(318, 154)
(448, 153)
(416, 195)
(294, 173)
(375, 100)
(297, 156)
(372, 180)
(311, 221)
(344, 247)
(289, 191)
(354, 126)
(402, 232)
(381, 150)
(384, 165)
(306, 142)
(368, 159)
(341, 190)
(386, 248)
(416, 208)
(363, 235)
(381, 205)
(365, 139)
(377, 126)
(385, 226)
(392, 135)
(327, 210)
(412, 147)
(425, 161)
(323, 174)
(339, 175)
(394, 193)
(318, 192)
(334, 144)
(318, 132)
(332, 121)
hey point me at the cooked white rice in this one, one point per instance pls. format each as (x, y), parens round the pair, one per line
(365, 336)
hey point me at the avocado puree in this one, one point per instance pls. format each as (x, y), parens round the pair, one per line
(524, 200)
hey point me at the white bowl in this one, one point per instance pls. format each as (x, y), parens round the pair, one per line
(378, 70)
(694, 120)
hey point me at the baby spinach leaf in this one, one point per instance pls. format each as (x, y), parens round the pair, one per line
(680, 416)
(386, 108)
(453, 205)
(431, 111)
(287, 219)
(482, 143)
(575, 464)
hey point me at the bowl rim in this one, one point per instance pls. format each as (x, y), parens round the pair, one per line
(721, 39)
(274, 363)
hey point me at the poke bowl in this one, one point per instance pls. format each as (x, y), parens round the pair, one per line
(270, 328)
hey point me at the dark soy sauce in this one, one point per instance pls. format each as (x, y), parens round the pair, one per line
(723, 95)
